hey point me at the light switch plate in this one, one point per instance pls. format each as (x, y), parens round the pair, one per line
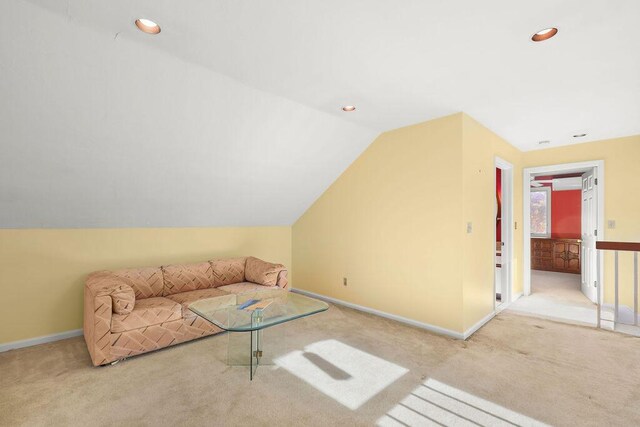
(611, 223)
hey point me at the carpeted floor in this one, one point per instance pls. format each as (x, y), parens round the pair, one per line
(342, 367)
(557, 296)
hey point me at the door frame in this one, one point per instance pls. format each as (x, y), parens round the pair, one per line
(506, 220)
(598, 165)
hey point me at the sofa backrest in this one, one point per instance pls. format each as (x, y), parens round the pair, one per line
(146, 282)
(187, 277)
(228, 271)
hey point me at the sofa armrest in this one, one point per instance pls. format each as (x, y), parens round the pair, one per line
(103, 283)
(98, 310)
(282, 281)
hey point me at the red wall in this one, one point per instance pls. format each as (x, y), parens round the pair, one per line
(566, 214)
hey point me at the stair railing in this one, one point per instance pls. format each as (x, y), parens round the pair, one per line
(617, 247)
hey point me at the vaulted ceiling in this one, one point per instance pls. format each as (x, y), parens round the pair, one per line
(231, 115)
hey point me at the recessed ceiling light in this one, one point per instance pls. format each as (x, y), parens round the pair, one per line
(579, 135)
(348, 108)
(544, 142)
(545, 34)
(147, 26)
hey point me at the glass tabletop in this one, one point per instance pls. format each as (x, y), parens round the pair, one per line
(239, 316)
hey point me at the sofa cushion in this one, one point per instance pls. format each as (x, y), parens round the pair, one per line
(123, 299)
(187, 277)
(186, 298)
(147, 312)
(146, 282)
(228, 271)
(261, 272)
(244, 287)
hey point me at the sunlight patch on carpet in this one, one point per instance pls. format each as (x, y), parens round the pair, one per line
(346, 374)
(436, 403)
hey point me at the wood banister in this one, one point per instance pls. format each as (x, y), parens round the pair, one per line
(619, 246)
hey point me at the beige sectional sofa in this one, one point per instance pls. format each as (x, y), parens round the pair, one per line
(133, 311)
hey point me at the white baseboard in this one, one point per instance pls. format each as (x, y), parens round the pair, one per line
(433, 328)
(421, 325)
(40, 340)
(478, 325)
(505, 305)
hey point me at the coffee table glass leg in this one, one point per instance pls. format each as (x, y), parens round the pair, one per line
(256, 350)
(251, 359)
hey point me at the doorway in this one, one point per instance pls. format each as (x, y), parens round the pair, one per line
(559, 246)
(503, 241)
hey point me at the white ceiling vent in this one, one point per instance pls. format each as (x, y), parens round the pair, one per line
(562, 184)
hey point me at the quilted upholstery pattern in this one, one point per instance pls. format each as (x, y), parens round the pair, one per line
(146, 282)
(187, 277)
(283, 281)
(123, 299)
(137, 341)
(228, 271)
(156, 322)
(147, 312)
(244, 287)
(261, 272)
(97, 323)
(186, 298)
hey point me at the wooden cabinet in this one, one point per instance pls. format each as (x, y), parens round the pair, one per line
(542, 254)
(562, 255)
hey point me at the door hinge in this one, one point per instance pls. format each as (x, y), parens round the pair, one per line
(595, 233)
(596, 181)
(595, 284)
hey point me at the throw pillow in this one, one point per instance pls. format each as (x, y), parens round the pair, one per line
(261, 272)
(123, 299)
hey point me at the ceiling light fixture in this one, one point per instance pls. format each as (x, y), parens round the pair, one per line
(545, 34)
(348, 108)
(147, 26)
(579, 135)
(544, 142)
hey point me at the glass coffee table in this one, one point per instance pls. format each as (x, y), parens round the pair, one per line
(280, 306)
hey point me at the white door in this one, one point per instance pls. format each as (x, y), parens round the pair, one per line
(589, 234)
(506, 216)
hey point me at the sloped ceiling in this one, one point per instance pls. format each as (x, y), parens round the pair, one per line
(99, 130)
(231, 115)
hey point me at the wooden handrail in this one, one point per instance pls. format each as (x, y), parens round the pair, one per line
(618, 246)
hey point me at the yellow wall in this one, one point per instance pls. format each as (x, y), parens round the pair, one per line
(622, 195)
(391, 224)
(395, 222)
(480, 148)
(42, 271)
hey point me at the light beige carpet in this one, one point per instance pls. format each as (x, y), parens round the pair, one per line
(556, 296)
(342, 367)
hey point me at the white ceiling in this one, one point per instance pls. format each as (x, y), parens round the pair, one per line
(107, 104)
(97, 131)
(403, 62)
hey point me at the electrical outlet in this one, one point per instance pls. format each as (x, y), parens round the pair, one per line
(469, 227)
(344, 281)
(611, 224)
